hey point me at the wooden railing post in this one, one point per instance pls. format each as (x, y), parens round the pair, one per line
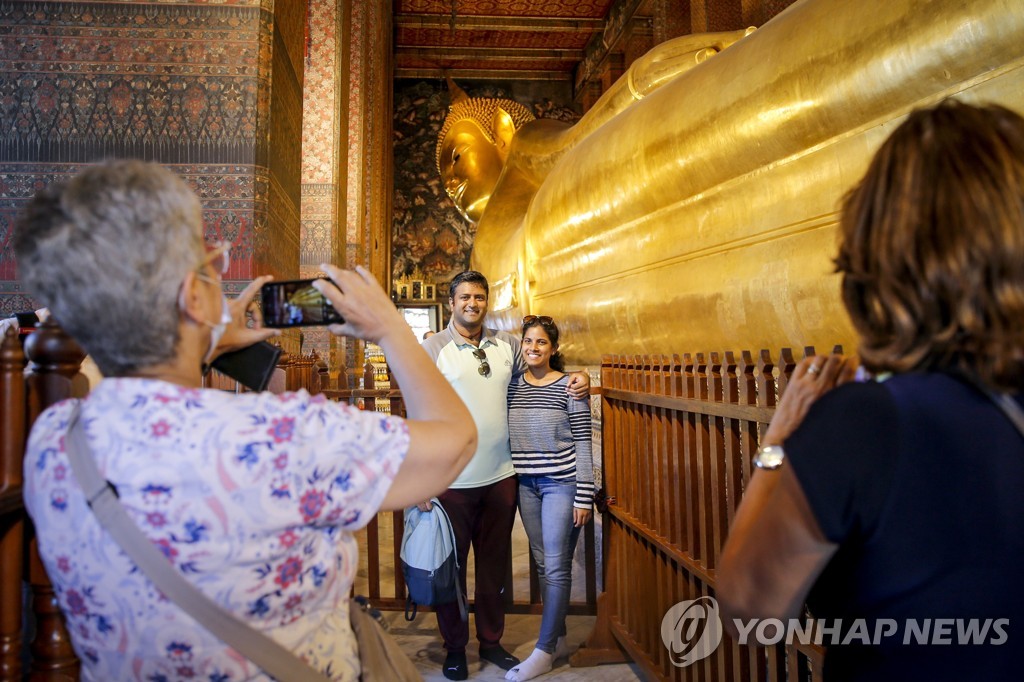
(601, 646)
(12, 514)
(767, 387)
(717, 471)
(702, 453)
(787, 363)
(747, 395)
(690, 466)
(55, 360)
(732, 433)
(644, 478)
(660, 452)
(677, 465)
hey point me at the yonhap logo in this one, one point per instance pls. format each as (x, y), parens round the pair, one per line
(691, 630)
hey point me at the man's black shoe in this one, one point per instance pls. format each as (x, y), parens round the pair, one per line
(455, 667)
(499, 657)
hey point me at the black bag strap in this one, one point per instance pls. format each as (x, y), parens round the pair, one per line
(410, 608)
(102, 499)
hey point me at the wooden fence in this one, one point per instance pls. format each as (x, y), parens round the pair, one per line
(679, 433)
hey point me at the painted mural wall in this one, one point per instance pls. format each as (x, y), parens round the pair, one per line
(184, 84)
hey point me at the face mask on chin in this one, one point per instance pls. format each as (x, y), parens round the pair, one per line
(217, 330)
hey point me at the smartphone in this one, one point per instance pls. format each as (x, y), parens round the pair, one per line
(296, 303)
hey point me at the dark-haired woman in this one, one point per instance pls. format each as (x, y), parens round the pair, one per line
(896, 510)
(549, 433)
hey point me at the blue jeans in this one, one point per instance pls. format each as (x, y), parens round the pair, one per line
(545, 505)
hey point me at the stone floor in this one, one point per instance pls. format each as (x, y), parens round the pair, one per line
(422, 643)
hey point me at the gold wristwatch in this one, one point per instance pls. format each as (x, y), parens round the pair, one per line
(769, 457)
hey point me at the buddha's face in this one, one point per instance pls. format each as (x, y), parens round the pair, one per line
(470, 168)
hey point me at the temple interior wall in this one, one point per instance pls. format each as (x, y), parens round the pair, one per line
(188, 85)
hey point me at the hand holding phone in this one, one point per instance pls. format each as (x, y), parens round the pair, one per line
(296, 303)
(246, 326)
(369, 312)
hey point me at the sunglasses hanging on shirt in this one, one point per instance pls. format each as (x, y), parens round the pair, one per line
(484, 369)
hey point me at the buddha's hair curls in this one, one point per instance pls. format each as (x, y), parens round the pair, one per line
(481, 110)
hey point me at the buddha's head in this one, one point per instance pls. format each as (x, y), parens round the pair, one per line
(473, 146)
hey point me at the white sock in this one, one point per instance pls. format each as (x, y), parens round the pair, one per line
(538, 663)
(562, 649)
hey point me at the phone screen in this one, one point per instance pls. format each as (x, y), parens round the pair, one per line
(296, 303)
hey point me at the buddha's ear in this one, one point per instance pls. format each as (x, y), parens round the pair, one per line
(504, 129)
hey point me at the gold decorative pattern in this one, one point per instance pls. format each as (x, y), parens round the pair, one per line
(509, 8)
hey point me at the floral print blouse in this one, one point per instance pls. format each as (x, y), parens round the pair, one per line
(253, 497)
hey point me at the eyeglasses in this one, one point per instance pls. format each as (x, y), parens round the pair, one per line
(218, 257)
(543, 319)
(481, 355)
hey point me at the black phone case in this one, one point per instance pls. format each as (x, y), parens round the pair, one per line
(252, 366)
(27, 320)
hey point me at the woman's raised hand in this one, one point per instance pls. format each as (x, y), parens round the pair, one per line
(812, 378)
(246, 326)
(368, 311)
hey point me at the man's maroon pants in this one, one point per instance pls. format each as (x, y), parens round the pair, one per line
(482, 516)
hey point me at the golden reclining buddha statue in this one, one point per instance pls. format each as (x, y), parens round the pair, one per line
(694, 206)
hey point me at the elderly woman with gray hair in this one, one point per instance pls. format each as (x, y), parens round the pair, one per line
(252, 497)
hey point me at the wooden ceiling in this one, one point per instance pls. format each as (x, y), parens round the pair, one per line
(495, 39)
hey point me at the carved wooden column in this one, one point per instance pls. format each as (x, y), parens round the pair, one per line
(12, 514)
(54, 375)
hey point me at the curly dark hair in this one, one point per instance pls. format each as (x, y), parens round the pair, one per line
(932, 250)
(551, 329)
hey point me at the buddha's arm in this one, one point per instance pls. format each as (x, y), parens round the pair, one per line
(660, 65)
(539, 144)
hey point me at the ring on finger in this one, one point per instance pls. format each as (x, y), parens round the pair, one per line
(813, 369)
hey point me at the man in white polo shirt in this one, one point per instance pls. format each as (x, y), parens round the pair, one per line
(480, 363)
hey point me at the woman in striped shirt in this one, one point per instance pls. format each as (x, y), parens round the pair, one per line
(549, 432)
